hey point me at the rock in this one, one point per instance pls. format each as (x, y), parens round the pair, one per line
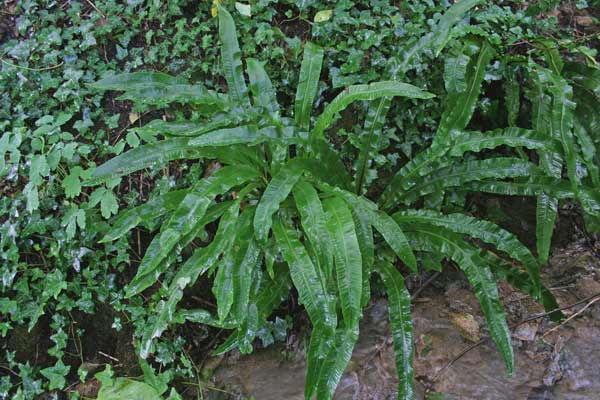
(584, 20)
(526, 331)
(467, 326)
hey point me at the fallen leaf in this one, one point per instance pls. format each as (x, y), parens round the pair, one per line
(243, 9)
(133, 116)
(323, 15)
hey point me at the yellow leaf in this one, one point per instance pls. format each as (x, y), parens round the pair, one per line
(214, 11)
(323, 15)
(133, 116)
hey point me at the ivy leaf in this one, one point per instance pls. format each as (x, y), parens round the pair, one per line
(56, 375)
(31, 194)
(127, 389)
(243, 9)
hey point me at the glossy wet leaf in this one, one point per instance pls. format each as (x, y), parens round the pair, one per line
(189, 212)
(312, 294)
(314, 224)
(480, 229)
(480, 277)
(308, 84)
(402, 332)
(231, 58)
(277, 191)
(371, 91)
(348, 260)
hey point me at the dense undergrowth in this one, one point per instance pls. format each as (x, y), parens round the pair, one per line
(497, 99)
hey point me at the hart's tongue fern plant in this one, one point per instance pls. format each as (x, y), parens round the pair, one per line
(289, 212)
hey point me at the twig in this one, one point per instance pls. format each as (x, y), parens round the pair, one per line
(590, 299)
(9, 370)
(109, 356)
(424, 285)
(571, 317)
(96, 8)
(31, 69)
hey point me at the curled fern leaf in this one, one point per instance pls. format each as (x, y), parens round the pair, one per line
(480, 229)
(480, 277)
(371, 91)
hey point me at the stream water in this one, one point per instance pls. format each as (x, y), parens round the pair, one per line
(551, 362)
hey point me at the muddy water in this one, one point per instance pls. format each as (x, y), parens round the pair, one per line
(559, 364)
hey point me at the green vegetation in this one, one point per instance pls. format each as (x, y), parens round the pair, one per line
(291, 190)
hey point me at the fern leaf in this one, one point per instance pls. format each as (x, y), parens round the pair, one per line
(395, 238)
(308, 84)
(460, 105)
(483, 230)
(348, 260)
(421, 165)
(145, 213)
(545, 219)
(366, 244)
(536, 185)
(312, 294)
(228, 282)
(457, 175)
(155, 88)
(455, 73)
(232, 58)
(261, 87)
(249, 135)
(137, 81)
(191, 209)
(514, 137)
(371, 91)
(186, 128)
(276, 192)
(322, 339)
(145, 156)
(197, 264)
(480, 277)
(399, 314)
(439, 36)
(313, 221)
(588, 152)
(335, 362)
(370, 142)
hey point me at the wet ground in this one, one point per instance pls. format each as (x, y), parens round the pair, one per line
(552, 361)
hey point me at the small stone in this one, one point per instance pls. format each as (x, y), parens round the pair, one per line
(584, 20)
(526, 331)
(467, 326)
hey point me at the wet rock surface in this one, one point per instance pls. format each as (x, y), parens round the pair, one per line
(553, 361)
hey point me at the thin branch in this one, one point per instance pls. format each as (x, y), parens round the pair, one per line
(590, 300)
